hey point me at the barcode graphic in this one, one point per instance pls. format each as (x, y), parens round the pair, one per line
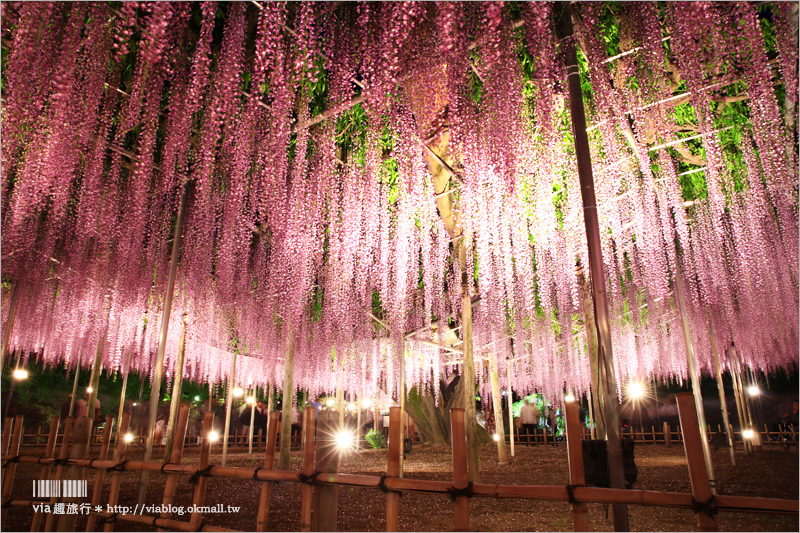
(66, 488)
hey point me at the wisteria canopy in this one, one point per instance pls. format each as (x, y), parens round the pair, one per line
(308, 137)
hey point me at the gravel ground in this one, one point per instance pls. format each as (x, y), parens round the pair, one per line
(766, 473)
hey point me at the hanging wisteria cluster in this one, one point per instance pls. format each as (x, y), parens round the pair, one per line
(299, 135)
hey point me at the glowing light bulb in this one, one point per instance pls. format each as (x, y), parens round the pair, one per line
(496, 437)
(250, 400)
(569, 397)
(635, 390)
(197, 398)
(89, 390)
(237, 391)
(747, 433)
(128, 437)
(213, 436)
(330, 402)
(753, 390)
(367, 403)
(344, 440)
(20, 374)
(351, 407)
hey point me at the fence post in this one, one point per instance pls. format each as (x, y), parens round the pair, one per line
(326, 497)
(310, 423)
(10, 466)
(6, 435)
(196, 521)
(101, 473)
(269, 463)
(667, 436)
(82, 436)
(116, 476)
(701, 486)
(62, 454)
(460, 474)
(580, 512)
(176, 456)
(393, 469)
(45, 472)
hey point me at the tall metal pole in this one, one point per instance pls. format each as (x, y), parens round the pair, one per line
(155, 391)
(177, 393)
(698, 397)
(229, 409)
(596, 269)
(721, 388)
(12, 313)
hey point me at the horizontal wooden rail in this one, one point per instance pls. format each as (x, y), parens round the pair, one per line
(526, 492)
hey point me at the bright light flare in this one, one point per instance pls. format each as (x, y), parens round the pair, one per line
(753, 390)
(747, 433)
(213, 436)
(250, 400)
(569, 397)
(330, 402)
(197, 398)
(351, 407)
(237, 391)
(20, 373)
(345, 440)
(367, 403)
(496, 437)
(128, 437)
(89, 390)
(635, 390)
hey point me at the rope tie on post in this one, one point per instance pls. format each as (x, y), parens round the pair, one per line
(110, 519)
(707, 507)
(205, 472)
(60, 461)
(309, 479)
(455, 493)
(10, 460)
(6, 504)
(384, 488)
(166, 465)
(571, 493)
(256, 471)
(119, 467)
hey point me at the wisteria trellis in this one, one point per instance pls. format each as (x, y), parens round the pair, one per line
(107, 115)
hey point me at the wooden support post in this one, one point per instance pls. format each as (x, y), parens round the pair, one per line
(196, 520)
(402, 401)
(124, 389)
(737, 394)
(11, 467)
(177, 392)
(229, 409)
(580, 512)
(393, 469)
(155, 390)
(510, 396)
(62, 454)
(252, 421)
(605, 358)
(74, 395)
(310, 422)
(701, 487)
(101, 474)
(694, 375)
(460, 472)
(497, 407)
(269, 463)
(80, 446)
(721, 388)
(94, 380)
(286, 407)
(49, 451)
(116, 476)
(175, 457)
(6, 435)
(326, 497)
(468, 371)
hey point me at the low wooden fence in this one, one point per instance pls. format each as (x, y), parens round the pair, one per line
(320, 478)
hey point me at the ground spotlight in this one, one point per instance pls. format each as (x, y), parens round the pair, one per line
(197, 398)
(747, 433)
(128, 437)
(496, 437)
(330, 402)
(753, 390)
(345, 440)
(635, 390)
(213, 436)
(20, 373)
